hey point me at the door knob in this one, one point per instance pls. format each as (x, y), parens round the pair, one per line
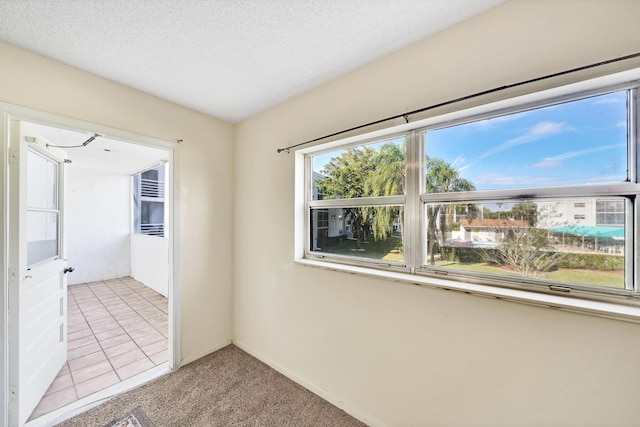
(68, 270)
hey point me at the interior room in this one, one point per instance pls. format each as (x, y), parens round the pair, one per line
(118, 255)
(386, 348)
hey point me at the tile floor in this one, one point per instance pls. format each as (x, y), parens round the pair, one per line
(117, 328)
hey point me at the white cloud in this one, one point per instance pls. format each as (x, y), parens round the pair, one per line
(555, 161)
(495, 121)
(608, 100)
(539, 131)
(458, 161)
(509, 180)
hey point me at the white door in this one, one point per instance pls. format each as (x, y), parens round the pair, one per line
(37, 280)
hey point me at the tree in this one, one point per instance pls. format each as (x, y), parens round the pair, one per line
(441, 178)
(525, 250)
(388, 180)
(346, 177)
(526, 211)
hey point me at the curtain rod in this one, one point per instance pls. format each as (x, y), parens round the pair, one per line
(465, 98)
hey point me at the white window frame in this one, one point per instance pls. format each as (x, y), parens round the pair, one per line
(618, 304)
(137, 199)
(349, 203)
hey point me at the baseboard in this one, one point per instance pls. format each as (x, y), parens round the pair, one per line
(334, 400)
(193, 358)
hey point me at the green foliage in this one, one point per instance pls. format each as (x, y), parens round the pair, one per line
(592, 262)
(526, 211)
(526, 251)
(345, 177)
(521, 211)
(390, 170)
(441, 178)
(576, 261)
(462, 255)
(365, 172)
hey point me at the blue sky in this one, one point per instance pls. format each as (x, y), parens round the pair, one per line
(578, 142)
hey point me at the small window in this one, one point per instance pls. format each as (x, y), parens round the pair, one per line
(357, 203)
(610, 212)
(148, 201)
(579, 205)
(579, 216)
(43, 214)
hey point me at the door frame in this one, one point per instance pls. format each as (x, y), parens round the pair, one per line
(8, 328)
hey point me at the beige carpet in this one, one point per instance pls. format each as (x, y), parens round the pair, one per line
(226, 388)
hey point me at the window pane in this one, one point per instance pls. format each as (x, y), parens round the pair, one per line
(367, 232)
(610, 212)
(578, 142)
(148, 202)
(365, 171)
(541, 239)
(42, 236)
(42, 182)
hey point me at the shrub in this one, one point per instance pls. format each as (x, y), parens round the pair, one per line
(592, 262)
(462, 255)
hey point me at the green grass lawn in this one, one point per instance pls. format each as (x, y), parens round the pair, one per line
(613, 279)
(389, 249)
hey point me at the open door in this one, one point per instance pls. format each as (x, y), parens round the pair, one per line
(37, 267)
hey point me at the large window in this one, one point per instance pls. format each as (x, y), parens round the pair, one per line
(538, 195)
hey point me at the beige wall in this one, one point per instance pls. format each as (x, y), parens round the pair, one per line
(401, 355)
(205, 161)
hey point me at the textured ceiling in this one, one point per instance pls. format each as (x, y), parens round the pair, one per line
(226, 58)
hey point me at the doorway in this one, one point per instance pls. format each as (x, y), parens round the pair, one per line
(110, 313)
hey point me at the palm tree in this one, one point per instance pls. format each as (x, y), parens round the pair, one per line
(441, 178)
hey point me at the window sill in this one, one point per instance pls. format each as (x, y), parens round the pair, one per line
(576, 305)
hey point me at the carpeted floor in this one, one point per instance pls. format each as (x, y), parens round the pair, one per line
(226, 388)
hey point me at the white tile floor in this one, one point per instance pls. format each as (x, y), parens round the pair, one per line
(117, 328)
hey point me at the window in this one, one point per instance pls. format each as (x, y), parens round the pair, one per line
(43, 214)
(148, 202)
(508, 195)
(610, 213)
(357, 205)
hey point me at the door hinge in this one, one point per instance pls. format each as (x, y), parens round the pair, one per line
(13, 394)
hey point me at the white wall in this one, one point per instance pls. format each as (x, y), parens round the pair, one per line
(205, 157)
(150, 262)
(401, 355)
(98, 218)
